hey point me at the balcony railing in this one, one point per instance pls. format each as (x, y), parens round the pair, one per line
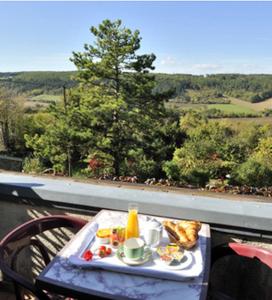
(251, 215)
(24, 197)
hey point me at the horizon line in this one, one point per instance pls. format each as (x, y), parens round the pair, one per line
(168, 73)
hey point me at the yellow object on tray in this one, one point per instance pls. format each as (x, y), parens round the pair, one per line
(132, 229)
(103, 232)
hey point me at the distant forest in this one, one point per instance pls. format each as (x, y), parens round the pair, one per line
(185, 88)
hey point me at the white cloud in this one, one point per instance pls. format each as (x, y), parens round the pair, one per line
(206, 67)
(168, 61)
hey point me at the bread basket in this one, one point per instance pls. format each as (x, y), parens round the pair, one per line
(187, 245)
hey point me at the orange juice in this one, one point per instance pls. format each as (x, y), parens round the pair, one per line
(132, 229)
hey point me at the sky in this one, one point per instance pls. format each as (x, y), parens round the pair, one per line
(186, 37)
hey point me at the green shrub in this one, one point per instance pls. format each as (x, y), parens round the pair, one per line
(253, 173)
(99, 163)
(197, 177)
(172, 170)
(137, 164)
(32, 165)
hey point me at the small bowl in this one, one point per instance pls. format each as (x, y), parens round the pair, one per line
(104, 240)
(167, 259)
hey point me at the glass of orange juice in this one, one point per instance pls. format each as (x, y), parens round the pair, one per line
(132, 229)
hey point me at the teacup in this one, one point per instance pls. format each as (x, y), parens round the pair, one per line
(134, 248)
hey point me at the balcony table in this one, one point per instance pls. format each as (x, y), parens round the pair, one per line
(75, 282)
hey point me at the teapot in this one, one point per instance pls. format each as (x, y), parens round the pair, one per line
(152, 232)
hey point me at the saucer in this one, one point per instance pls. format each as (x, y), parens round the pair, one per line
(145, 258)
(185, 262)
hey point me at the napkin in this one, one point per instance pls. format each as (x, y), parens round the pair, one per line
(86, 238)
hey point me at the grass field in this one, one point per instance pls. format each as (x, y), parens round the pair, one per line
(237, 123)
(232, 108)
(46, 98)
(235, 106)
(267, 104)
(226, 108)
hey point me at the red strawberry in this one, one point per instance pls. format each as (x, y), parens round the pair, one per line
(108, 251)
(88, 255)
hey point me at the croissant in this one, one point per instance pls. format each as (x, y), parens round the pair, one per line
(184, 233)
(186, 224)
(191, 228)
(181, 233)
(171, 228)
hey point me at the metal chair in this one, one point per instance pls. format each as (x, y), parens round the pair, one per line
(240, 271)
(23, 236)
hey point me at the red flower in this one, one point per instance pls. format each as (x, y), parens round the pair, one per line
(95, 164)
(88, 255)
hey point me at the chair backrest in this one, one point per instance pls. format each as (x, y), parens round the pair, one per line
(238, 275)
(246, 250)
(265, 256)
(24, 233)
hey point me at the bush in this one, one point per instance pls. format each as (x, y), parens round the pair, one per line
(99, 164)
(137, 164)
(32, 165)
(171, 170)
(197, 177)
(253, 173)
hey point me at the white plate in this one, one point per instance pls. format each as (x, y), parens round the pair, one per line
(184, 263)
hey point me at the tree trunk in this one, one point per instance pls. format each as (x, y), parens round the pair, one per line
(116, 163)
(5, 135)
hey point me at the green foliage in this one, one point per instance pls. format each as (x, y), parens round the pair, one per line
(257, 169)
(116, 120)
(12, 122)
(53, 145)
(214, 149)
(36, 83)
(32, 165)
(172, 170)
(253, 173)
(113, 111)
(263, 153)
(120, 91)
(137, 164)
(213, 88)
(210, 160)
(99, 163)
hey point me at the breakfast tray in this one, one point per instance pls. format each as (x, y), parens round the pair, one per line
(86, 240)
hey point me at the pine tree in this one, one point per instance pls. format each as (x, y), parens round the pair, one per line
(114, 114)
(116, 84)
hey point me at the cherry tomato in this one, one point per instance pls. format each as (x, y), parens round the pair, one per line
(103, 248)
(101, 253)
(108, 251)
(88, 255)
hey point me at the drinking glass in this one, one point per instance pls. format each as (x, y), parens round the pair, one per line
(132, 229)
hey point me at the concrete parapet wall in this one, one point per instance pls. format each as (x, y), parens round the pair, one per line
(11, 163)
(250, 215)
